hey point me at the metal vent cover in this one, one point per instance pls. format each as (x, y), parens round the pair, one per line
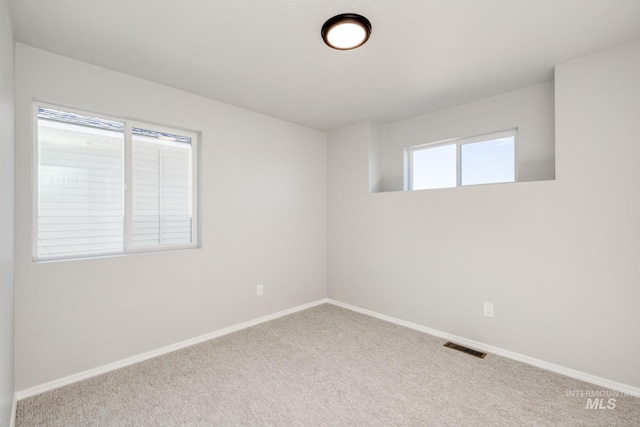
(474, 353)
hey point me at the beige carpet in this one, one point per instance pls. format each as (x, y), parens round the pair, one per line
(324, 366)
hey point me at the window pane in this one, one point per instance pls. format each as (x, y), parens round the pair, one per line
(162, 193)
(434, 167)
(488, 161)
(80, 185)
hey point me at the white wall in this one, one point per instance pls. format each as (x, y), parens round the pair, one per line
(263, 220)
(6, 214)
(559, 258)
(530, 110)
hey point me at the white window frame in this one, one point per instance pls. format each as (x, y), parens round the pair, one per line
(458, 142)
(128, 179)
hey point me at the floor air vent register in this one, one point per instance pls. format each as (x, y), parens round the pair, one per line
(474, 353)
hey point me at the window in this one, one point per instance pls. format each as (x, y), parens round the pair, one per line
(108, 186)
(486, 159)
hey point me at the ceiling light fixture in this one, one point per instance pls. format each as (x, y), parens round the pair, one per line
(346, 31)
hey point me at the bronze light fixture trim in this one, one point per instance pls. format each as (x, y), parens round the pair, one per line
(346, 31)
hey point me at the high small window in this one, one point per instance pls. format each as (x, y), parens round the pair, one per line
(486, 159)
(107, 186)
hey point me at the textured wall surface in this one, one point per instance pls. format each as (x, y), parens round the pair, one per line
(263, 220)
(6, 214)
(558, 259)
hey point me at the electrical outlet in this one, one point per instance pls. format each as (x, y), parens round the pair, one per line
(260, 290)
(488, 309)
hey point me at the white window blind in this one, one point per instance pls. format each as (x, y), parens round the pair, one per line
(86, 163)
(161, 190)
(80, 187)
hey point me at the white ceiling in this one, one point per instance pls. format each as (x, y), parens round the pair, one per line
(267, 55)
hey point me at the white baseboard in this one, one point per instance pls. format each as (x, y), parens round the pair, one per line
(603, 382)
(14, 407)
(155, 353)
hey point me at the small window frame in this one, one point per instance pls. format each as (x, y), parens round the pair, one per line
(128, 247)
(459, 142)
